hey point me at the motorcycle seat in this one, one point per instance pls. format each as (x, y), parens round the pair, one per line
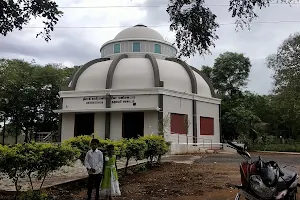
(286, 179)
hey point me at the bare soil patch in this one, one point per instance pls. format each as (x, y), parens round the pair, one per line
(168, 181)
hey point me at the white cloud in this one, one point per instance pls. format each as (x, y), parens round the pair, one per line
(76, 46)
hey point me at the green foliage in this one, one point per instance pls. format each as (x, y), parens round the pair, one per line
(156, 147)
(82, 143)
(36, 88)
(34, 160)
(195, 25)
(33, 195)
(150, 147)
(12, 163)
(239, 121)
(286, 66)
(207, 71)
(133, 148)
(279, 147)
(16, 14)
(230, 73)
(192, 36)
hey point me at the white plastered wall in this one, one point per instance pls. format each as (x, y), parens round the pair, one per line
(116, 126)
(209, 110)
(178, 106)
(67, 126)
(99, 125)
(150, 122)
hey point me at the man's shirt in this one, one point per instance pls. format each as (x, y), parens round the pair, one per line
(94, 159)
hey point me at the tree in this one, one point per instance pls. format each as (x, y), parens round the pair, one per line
(207, 71)
(286, 66)
(32, 94)
(230, 73)
(239, 120)
(195, 25)
(16, 14)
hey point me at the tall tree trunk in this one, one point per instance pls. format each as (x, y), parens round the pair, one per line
(16, 130)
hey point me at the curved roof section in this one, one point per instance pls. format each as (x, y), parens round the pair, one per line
(139, 31)
(139, 73)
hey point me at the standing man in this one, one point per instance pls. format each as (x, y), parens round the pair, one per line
(94, 165)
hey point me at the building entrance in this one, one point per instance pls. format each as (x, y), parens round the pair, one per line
(133, 124)
(84, 124)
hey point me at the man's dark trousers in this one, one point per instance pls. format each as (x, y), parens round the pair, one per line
(94, 180)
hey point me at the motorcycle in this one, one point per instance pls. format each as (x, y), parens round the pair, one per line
(262, 180)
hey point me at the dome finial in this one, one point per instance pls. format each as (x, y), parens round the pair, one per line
(140, 25)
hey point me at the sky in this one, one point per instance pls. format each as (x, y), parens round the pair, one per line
(77, 46)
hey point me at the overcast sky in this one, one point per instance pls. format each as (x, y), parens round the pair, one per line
(76, 46)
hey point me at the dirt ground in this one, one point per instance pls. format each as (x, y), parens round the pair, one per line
(177, 181)
(205, 179)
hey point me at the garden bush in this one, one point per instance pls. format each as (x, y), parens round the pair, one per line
(279, 147)
(33, 195)
(34, 160)
(156, 147)
(133, 148)
(38, 160)
(83, 144)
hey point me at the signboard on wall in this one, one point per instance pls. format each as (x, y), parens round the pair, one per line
(123, 99)
(117, 101)
(114, 99)
(94, 100)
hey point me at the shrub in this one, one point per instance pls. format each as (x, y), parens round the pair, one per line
(53, 157)
(280, 147)
(12, 163)
(83, 144)
(133, 148)
(156, 147)
(33, 195)
(27, 159)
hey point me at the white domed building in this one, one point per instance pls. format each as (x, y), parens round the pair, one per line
(136, 87)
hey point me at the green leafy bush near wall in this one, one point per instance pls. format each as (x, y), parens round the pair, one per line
(34, 160)
(156, 147)
(145, 147)
(133, 148)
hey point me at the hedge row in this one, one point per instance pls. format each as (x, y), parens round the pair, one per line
(150, 147)
(278, 147)
(38, 160)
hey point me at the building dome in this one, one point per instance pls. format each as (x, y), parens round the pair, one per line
(139, 32)
(139, 73)
(139, 58)
(138, 40)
